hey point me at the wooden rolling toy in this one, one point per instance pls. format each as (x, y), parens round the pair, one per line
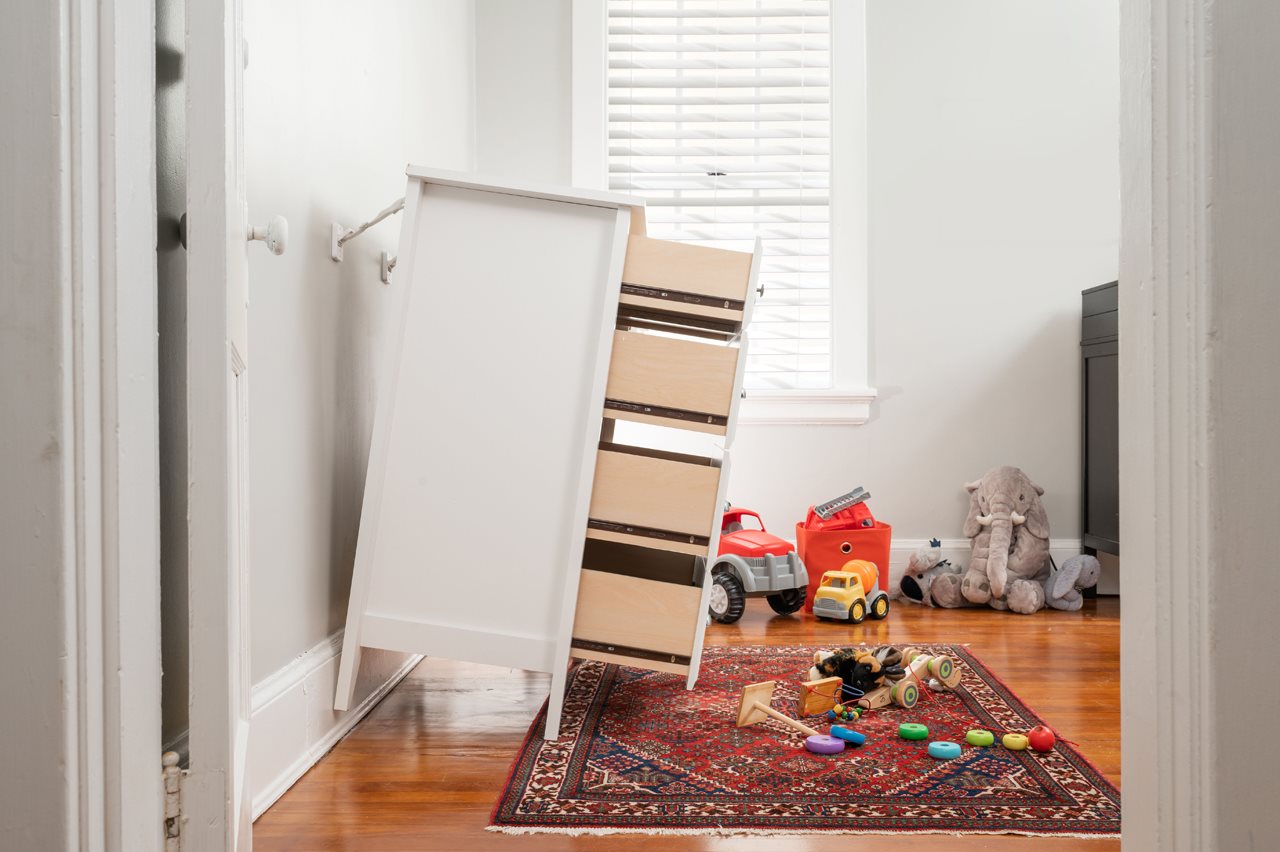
(819, 696)
(754, 707)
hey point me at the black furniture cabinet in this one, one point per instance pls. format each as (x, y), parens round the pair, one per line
(1100, 431)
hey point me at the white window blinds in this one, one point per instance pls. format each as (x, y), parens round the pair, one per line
(719, 115)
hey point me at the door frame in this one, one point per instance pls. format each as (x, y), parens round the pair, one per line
(1166, 470)
(112, 116)
(217, 813)
(107, 734)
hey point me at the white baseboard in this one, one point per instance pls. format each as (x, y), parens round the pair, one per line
(293, 723)
(957, 550)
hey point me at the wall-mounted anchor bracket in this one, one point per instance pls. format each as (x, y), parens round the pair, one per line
(339, 234)
(388, 264)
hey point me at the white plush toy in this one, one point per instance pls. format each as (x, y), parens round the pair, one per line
(925, 566)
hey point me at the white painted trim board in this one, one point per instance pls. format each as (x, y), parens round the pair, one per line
(293, 723)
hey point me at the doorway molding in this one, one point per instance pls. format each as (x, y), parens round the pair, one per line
(1167, 723)
(81, 519)
(107, 83)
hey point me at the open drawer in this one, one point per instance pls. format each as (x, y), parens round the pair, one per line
(630, 620)
(671, 382)
(654, 498)
(673, 285)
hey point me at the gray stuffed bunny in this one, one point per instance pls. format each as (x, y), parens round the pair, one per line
(1062, 589)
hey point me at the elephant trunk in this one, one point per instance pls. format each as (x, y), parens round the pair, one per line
(998, 555)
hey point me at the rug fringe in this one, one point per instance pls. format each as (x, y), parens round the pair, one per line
(770, 832)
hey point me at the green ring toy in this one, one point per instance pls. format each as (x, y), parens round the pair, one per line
(913, 731)
(979, 737)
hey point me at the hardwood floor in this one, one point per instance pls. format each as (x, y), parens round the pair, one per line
(423, 770)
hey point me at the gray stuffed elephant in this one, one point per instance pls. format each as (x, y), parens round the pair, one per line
(1009, 530)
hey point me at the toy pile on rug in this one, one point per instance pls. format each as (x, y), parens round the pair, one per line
(851, 682)
(1009, 566)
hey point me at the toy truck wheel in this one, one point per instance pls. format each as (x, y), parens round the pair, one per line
(787, 602)
(880, 608)
(728, 600)
(857, 611)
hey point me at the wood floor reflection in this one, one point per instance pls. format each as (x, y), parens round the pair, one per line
(423, 770)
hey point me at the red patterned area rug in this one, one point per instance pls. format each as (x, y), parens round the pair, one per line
(639, 753)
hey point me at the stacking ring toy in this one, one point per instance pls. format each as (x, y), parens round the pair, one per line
(912, 731)
(823, 744)
(1014, 742)
(943, 750)
(849, 735)
(979, 737)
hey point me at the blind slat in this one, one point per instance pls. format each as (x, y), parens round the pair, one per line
(723, 10)
(760, 99)
(719, 133)
(801, 118)
(720, 46)
(641, 183)
(726, 167)
(727, 27)
(815, 200)
(799, 77)
(720, 63)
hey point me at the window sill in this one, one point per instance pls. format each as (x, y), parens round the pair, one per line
(797, 408)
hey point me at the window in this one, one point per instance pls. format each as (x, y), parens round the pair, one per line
(719, 114)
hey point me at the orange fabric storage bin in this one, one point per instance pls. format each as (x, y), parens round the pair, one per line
(829, 550)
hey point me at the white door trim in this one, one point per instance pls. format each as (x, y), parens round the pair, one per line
(102, 319)
(215, 797)
(1167, 728)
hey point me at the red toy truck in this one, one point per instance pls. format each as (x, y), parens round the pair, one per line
(752, 563)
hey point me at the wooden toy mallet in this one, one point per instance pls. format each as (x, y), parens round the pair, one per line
(755, 707)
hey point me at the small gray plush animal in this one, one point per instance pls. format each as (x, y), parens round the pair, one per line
(1062, 589)
(925, 566)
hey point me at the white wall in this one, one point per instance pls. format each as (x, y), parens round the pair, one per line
(523, 80)
(993, 201)
(340, 96)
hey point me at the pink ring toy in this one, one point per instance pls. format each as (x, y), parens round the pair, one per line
(823, 744)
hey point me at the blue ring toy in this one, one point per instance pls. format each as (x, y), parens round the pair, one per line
(943, 750)
(849, 735)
